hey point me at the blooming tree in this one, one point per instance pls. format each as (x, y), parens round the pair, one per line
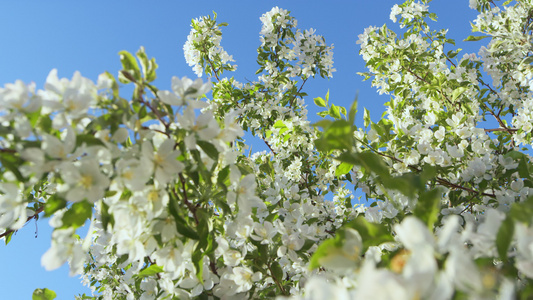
(178, 209)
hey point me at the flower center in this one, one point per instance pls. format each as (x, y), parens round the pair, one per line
(86, 181)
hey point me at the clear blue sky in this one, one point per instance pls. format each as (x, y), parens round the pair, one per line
(38, 36)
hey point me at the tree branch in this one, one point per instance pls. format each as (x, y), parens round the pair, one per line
(3, 150)
(441, 181)
(276, 281)
(34, 216)
(211, 63)
(189, 205)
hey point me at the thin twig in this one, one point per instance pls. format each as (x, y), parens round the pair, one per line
(211, 64)
(34, 216)
(189, 205)
(277, 281)
(441, 181)
(3, 150)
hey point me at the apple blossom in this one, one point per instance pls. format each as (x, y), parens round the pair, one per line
(180, 207)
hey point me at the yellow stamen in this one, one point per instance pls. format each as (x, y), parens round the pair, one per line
(86, 181)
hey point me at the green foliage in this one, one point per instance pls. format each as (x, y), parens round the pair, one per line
(337, 135)
(43, 294)
(372, 234)
(77, 214)
(150, 271)
(53, 204)
(522, 212)
(505, 237)
(472, 38)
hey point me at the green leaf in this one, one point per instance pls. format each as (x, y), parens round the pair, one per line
(223, 176)
(526, 61)
(77, 214)
(106, 217)
(151, 75)
(372, 234)
(458, 92)
(504, 237)
(365, 74)
(523, 211)
(143, 59)
(8, 237)
(89, 140)
(323, 250)
(53, 204)
(130, 64)
(338, 135)
(428, 207)
(308, 243)
(276, 271)
(148, 66)
(110, 194)
(322, 113)
(319, 102)
(181, 225)
(187, 231)
(11, 162)
(198, 262)
(342, 110)
(334, 112)
(366, 117)
(368, 160)
(352, 112)
(526, 293)
(472, 38)
(286, 138)
(406, 184)
(343, 168)
(428, 173)
(114, 85)
(279, 124)
(523, 168)
(516, 155)
(209, 149)
(150, 271)
(45, 122)
(43, 294)
(323, 123)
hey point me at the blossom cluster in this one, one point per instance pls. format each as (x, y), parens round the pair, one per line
(178, 206)
(203, 50)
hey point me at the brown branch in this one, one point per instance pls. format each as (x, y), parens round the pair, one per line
(445, 182)
(496, 116)
(34, 216)
(3, 150)
(431, 39)
(189, 205)
(269, 147)
(157, 274)
(276, 281)
(291, 102)
(441, 181)
(141, 91)
(502, 129)
(211, 64)
(156, 112)
(425, 81)
(213, 268)
(157, 130)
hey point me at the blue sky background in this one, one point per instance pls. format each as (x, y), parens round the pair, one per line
(38, 36)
